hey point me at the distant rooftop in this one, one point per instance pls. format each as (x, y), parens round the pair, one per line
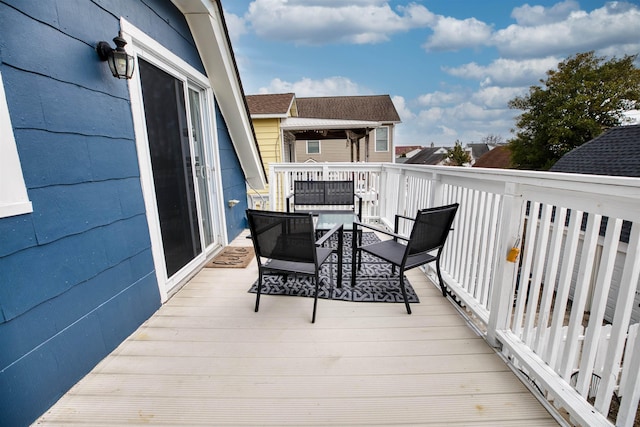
(277, 104)
(616, 152)
(499, 157)
(378, 108)
(404, 149)
(428, 156)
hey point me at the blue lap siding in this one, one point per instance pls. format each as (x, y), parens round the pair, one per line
(233, 181)
(77, 275)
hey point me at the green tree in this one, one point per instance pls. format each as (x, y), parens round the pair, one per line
(456, 156)
(586, 95)
(493, 139)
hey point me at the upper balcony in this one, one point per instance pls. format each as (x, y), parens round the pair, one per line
(566, 312)
(564, 317)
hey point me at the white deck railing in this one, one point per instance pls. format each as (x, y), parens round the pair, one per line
(566, 312)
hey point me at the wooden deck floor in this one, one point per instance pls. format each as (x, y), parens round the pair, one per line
(205, 358)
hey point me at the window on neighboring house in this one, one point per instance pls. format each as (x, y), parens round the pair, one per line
(382, 139)
(313, 147)
(13, 192)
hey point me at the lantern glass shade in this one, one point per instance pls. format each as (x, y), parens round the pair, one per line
(121, 64)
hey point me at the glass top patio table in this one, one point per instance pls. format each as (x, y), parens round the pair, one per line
(328, 220)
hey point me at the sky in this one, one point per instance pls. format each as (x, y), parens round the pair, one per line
(450, 66)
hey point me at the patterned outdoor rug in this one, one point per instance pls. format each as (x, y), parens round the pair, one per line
(374, 281)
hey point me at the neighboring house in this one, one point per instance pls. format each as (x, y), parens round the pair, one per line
(344, 129)
(429, 156)
(498, 157)
(114, 192)
(406, 152)
(477, 150)
(267, 113)
(324, 129)
(616, 152)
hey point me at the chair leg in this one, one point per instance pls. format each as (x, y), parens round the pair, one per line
(444, 291)
(360, 252)
(315, 298)
(259, 290)
(404, 292)
(354, 254)
(340, 241)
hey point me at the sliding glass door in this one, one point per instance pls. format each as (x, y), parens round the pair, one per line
(179, 149)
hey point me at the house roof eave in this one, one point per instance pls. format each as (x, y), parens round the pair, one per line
(206, 22)
(303, 123)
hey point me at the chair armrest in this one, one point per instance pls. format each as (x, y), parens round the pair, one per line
(379, 230)
(328, 234)
(405, 217)
(396, 224)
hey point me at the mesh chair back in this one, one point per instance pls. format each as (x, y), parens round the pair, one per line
(431, 228)
(339, 192)
(308, 193)
(283, 236)
(323, 192)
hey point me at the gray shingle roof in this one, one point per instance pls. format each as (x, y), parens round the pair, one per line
(428, 156)
(616, 152)
(375, 108)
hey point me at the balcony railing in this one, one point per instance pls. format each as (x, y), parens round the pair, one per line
(566, 312)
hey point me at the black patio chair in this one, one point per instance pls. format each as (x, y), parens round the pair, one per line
(285, 244)
(429, 233)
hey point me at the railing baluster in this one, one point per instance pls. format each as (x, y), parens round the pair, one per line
(553, 260)
(580, 296)
(624, 304)
(555, 346)
(598, 306)
(536, 276)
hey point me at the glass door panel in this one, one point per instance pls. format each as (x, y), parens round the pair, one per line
(202, 168)
(171, 159)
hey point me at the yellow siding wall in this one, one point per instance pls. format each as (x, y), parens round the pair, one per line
(268, 135)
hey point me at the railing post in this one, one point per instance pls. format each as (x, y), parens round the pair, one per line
(511, 214)
(437, 190)
(272, 188)
(382, 192)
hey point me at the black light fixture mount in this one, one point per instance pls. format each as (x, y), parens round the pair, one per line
(120, 62)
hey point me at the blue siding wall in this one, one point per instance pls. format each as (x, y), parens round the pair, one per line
(76, 275)
(233, 180)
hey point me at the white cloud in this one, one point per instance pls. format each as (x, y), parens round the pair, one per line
(235, 25)
(506, 72)
(456, 34)
(537, 15)
(401, 107)
(615, 23)
(497, 97)
(323, 22)
(444, 117)
(440, 98)
(331, 86)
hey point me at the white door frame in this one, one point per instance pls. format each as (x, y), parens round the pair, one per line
(141, 45)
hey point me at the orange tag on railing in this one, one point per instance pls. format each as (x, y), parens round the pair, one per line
(512, 256)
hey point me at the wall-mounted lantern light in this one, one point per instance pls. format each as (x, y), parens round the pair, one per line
(120, 63)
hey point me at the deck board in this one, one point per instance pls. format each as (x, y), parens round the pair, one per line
(205, 358)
